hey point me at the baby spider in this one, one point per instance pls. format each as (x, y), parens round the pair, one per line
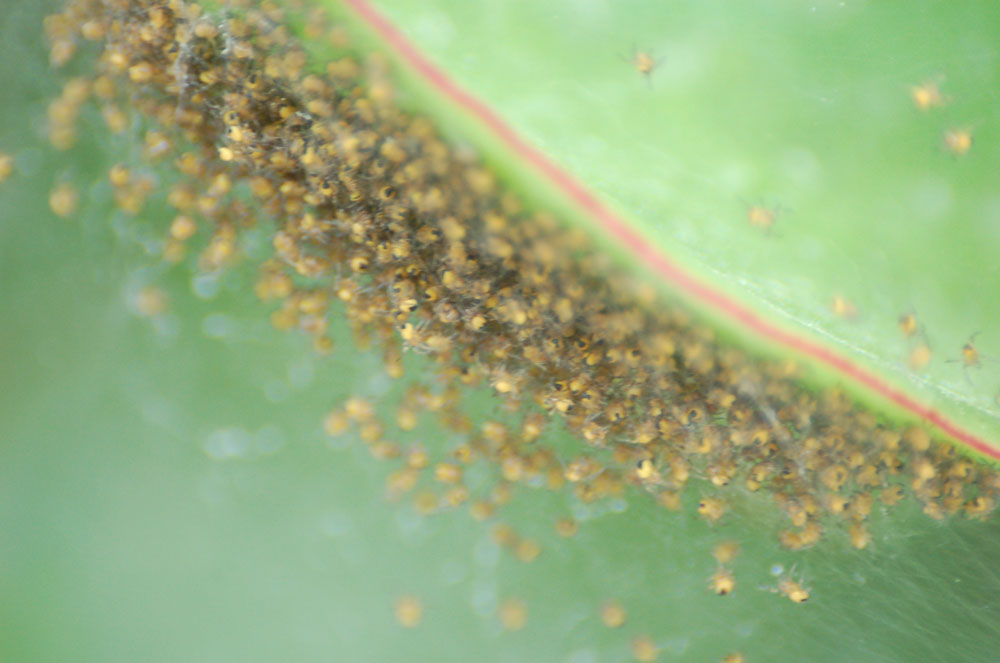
(726, 551)
(793, 589)
(643, 62)
(722, 581)
(711, 509)
(647, 473)
(970, 355)
(928, 94)
(844, 307)
(971, 358)
(763, 216)
(920, 356)
(909, 325)
(957, 141)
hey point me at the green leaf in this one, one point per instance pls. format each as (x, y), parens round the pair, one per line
(806, 111)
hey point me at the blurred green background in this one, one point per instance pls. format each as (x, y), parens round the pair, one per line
(167, 493)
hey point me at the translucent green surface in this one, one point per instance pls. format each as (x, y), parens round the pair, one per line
(804, 109)
(166, 491)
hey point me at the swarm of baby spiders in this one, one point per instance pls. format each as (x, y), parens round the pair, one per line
(379, 220)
